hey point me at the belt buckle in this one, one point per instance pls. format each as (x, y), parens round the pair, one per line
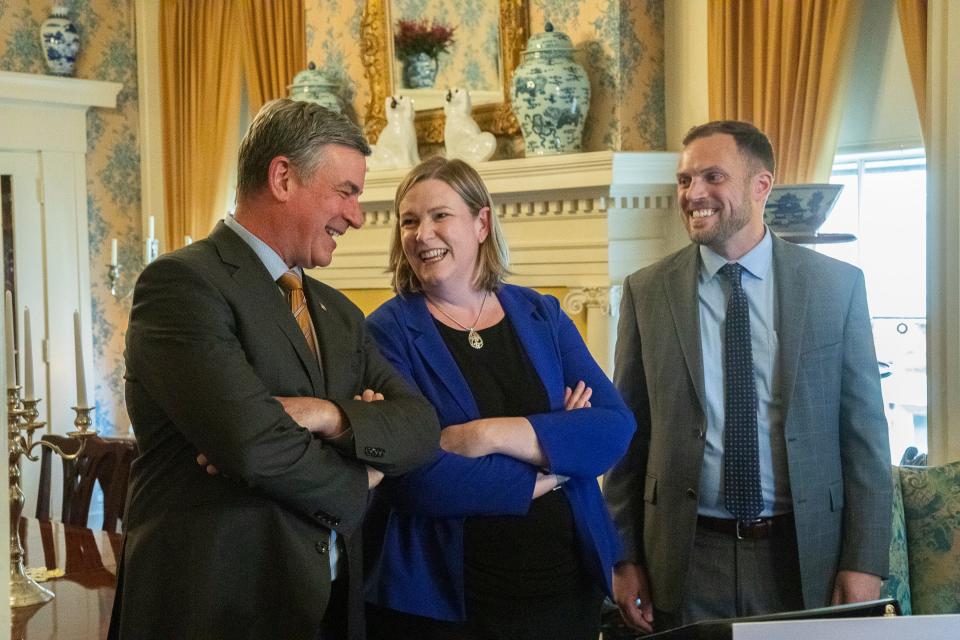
(751, 523)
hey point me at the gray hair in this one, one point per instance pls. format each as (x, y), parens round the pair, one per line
(294, 129)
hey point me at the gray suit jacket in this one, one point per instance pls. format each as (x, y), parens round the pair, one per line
(835, 429)
(246, 554)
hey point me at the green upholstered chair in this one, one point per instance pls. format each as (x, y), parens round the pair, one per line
(925, 549)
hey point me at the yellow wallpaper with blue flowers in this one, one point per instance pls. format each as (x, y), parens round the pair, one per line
(620, 44)
(108, 52)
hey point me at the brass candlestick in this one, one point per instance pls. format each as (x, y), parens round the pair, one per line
(22, 419)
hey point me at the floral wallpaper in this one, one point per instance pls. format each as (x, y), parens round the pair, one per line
(473, 60)
(620, 44)
(108, 52)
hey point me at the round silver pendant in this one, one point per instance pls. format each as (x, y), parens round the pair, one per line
(475, 340)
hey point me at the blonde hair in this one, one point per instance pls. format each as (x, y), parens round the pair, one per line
(493, 259)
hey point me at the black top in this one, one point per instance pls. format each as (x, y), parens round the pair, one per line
(513, 556)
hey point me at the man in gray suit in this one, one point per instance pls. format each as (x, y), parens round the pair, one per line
(233, 352)
(758, 478)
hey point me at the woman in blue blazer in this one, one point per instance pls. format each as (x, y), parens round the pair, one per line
(504, 534)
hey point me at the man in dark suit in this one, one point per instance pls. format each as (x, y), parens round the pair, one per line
(758, 478)
(280, 388)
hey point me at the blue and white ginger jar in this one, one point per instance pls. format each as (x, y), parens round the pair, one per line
(419, 71)
(311, 85)
(61, 42)
(551, 95)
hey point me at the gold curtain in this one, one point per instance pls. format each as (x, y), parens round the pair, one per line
(782, 65)
(200, 68)
(275, 49)
(913, 25)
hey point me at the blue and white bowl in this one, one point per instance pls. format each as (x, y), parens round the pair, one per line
(800, 209)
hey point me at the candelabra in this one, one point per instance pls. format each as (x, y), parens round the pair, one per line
(22, 422)
(151, 252)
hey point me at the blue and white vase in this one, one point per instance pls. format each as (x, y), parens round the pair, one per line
(61, 42)
(419, 71)
(313, 85)
(551, 95)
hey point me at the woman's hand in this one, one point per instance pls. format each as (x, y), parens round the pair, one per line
(470, 439)
(545, 483)
(578, 397)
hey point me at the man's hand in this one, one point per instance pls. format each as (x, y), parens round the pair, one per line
(209, 468)
(578, 397)
(369, 395)
(321, 417)
(630, 586)
(855, 586)
(373, 477)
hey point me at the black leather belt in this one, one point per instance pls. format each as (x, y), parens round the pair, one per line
(751, 529)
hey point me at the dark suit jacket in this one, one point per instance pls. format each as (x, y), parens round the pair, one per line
(246, 554)
(838, 452)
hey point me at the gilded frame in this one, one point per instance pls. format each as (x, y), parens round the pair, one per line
(497, 118)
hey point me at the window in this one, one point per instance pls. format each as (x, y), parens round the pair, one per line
(884, 204)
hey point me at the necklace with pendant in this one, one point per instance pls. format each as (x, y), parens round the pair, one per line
(472, 336)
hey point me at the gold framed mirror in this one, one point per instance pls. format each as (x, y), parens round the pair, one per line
(377, 53)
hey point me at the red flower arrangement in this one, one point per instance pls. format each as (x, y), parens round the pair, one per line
(413, 37)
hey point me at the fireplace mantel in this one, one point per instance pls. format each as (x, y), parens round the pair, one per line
(578, 221)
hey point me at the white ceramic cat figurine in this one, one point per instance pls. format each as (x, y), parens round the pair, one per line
(461, 134)
(396, 148)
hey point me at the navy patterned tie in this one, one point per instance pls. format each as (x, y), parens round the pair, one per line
(741, 467)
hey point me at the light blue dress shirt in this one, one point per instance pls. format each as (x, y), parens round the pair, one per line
(276, 267)
(712, 292)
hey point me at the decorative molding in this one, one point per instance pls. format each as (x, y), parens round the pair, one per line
(376, 53)
(567, 221)
(616, 295)
(579, 298)
(55, 90)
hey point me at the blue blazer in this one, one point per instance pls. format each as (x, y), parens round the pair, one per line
(415, 553)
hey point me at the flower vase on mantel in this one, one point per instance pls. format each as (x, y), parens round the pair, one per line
(419, 71)
(551, 95)
(60, 41)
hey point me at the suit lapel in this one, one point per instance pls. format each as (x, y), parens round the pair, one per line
(792, 293)
(251, 276)
(680, 288)
(435, 354)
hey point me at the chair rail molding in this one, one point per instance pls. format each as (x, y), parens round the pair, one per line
(580, 221)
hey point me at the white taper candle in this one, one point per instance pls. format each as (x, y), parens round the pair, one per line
(27, 356)
(81, 376)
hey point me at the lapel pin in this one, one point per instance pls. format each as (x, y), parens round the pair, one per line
(322, 306)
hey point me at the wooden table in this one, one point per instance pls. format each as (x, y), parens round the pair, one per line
(84, 594)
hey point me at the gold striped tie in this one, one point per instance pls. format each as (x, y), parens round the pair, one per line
(290, 282)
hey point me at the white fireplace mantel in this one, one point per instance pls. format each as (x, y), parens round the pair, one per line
(49, 112)
(578, 221)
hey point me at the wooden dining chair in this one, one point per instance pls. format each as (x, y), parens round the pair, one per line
(104, 460)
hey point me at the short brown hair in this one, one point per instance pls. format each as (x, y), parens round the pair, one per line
(493, 258)
(295, 129)
(751, 142)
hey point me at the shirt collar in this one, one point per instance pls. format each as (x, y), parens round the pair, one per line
(756, 262)
(274, 264)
